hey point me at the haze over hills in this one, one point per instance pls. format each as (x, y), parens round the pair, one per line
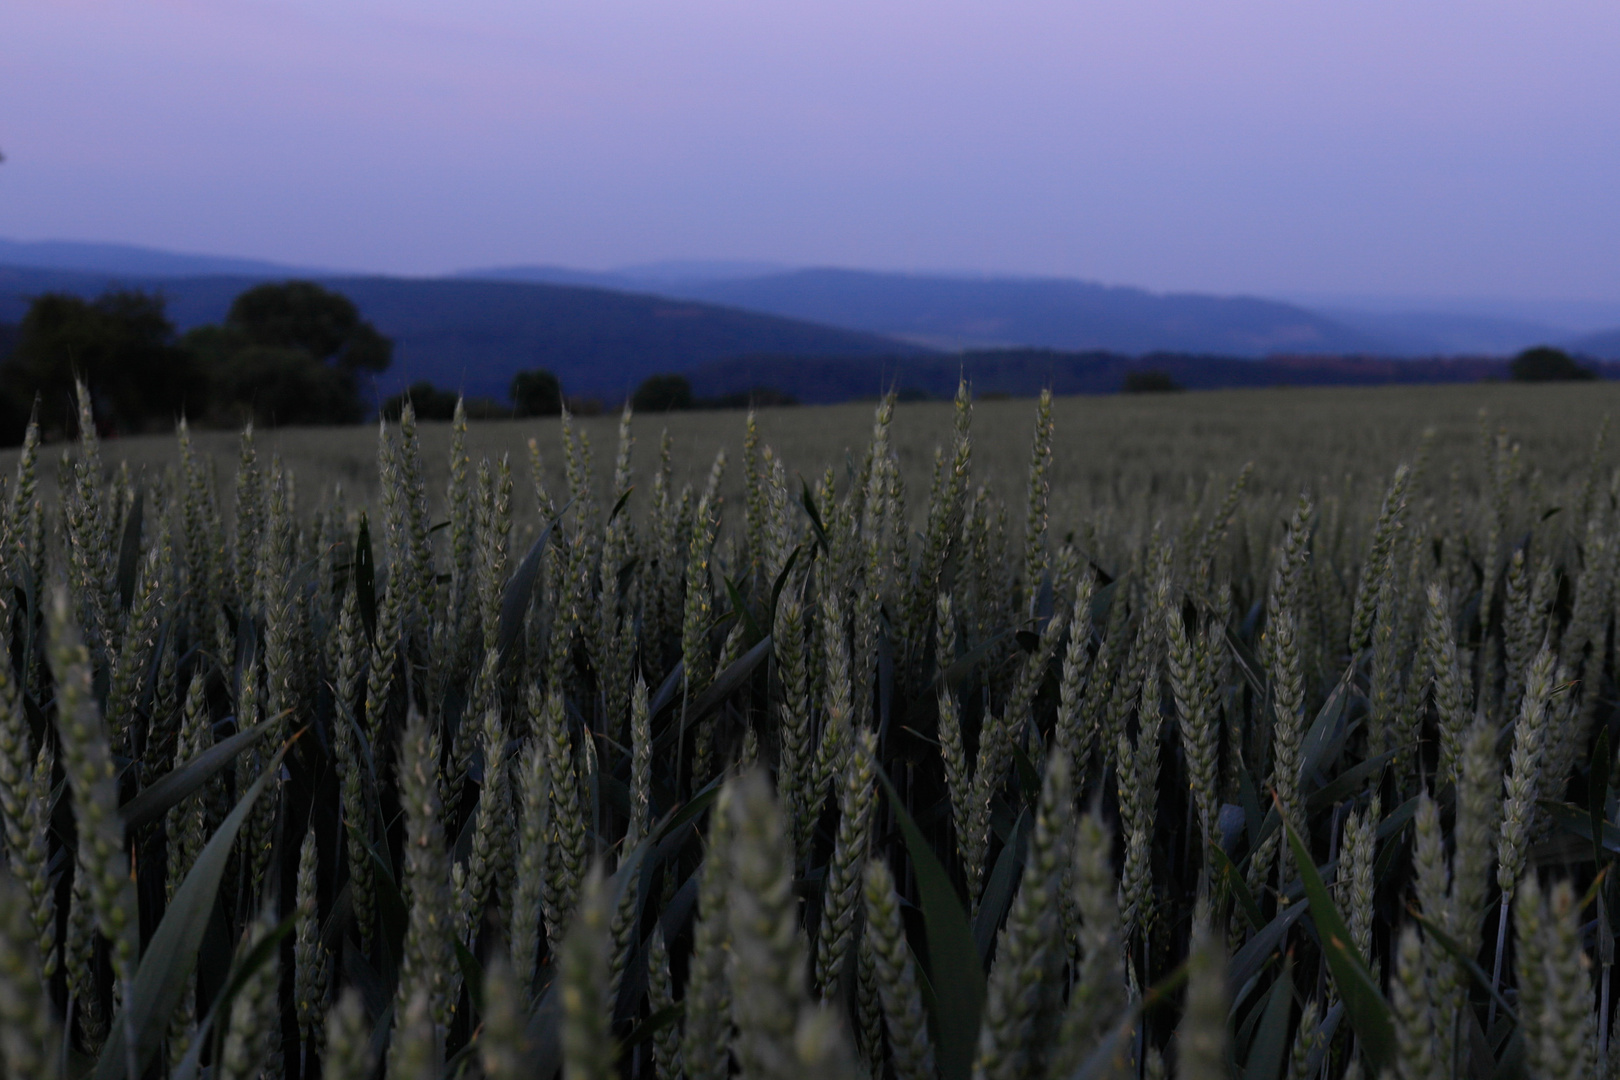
(134, 260)
(603, 331)
(1467, 325)
(1444, 333)
(954, 312)
(1604, 346)
(669, 277)
(957, 312)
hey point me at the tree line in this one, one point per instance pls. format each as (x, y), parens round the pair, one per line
(286, 353)
(297, 353)
(292, 352)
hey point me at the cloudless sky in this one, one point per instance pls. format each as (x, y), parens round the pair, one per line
(1425, 147)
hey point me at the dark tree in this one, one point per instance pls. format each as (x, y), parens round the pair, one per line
(760, 397)
(121, 344)
(303, 315)
(585, 406)
(288, 353)
(1148, 382)
(662, 393)
(211, 346)
(271, 386)
(430, 402)
(13, 410)
(536, 393)
(1546, 364)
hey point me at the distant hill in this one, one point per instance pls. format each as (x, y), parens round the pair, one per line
(475, 335)
(132, 260)
(961, 311)
(1569, 318)
(1603, 346)
(192, 300)
(1024, 372)
(954, 312)
(1444, 333)
(820, 335)
(667, 278)
(556, 275)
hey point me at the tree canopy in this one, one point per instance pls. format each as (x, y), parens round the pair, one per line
(1546, 364)
(536, 393)
(663, 393)
(1148, 382)
(305, 316)
(428, 400)
(121, 343)
(289, 353)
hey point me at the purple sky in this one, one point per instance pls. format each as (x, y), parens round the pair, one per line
(1425, 147)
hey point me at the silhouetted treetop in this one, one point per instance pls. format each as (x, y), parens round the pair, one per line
(304, 315)
(662, 393)
(1546, 364)
(536, 393)
(121, 343)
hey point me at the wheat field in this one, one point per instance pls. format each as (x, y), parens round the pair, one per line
(1263, 734)
(1107, 451)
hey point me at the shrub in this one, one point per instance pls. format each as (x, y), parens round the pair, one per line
(122, 343)
(585, 406)
(1148, 382)
(306, 316)
(760, 397)
(287, 353)
(272, 386)
(486, 409)
(662, 393)
(428, 400)
(1546, 364)
(536, 393)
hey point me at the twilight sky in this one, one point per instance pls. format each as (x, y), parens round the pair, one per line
(1424, 147)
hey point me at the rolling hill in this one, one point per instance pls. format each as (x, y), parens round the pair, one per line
(820, 335)
(1603, 346)
(475, 335)
(962, 312)
(668, 277)
(132, 260)
(1442, 333)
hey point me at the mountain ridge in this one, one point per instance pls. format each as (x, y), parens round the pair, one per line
(949, 311)
(135, 260)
